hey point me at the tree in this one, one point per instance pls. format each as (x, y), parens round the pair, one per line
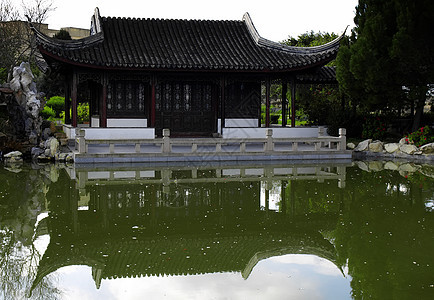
(310, 39)
(62, 35)
(10, 37)
(391, 48)
(323, 103)
(16, 36)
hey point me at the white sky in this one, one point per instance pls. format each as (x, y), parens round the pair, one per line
(274, 19)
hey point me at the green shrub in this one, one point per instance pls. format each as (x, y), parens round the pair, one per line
(374, 128)
(83, 113)
(3, 75)
(57, 103)
(422, 136)
(48, 113)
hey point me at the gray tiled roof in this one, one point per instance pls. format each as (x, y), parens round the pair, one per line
(161, 44)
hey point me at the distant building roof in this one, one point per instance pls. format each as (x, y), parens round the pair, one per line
(160, 44)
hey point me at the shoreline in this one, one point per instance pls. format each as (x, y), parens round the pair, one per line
(368, 155)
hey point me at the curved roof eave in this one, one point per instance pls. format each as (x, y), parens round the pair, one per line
(260, 41)
(64, 51)
(66, 44)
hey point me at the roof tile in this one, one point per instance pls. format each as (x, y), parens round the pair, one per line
(184, 44)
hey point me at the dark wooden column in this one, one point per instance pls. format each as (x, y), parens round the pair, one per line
(67, 99)
(74, 98)
(103, 118)
(152, 112)
(284, 101)
(267, 102)
(222, 104)
(293, 102)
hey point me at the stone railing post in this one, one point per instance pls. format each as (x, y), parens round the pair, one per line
(269, 145)
(320, 135)
(342, 174)
(166, 141)
(320, 131)
(80, 141)
(343, 139)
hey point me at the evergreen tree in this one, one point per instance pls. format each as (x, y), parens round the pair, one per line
(62, 34)
(391, 48)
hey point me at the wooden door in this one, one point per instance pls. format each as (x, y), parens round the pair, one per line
(186, 108)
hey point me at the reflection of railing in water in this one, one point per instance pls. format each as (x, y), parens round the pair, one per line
(167, 176)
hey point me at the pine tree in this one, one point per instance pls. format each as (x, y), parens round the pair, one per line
(391, 48)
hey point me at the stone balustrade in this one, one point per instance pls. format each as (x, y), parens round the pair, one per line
(206, 146)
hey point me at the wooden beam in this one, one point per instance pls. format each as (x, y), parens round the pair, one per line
(74, 98)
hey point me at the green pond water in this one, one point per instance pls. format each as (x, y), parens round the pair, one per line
(357, 230)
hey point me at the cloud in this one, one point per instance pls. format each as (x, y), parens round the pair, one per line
(283, 277)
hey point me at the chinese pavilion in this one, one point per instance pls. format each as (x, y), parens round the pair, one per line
(194, 77)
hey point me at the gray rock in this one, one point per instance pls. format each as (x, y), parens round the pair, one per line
(13, 154)
(46, 133)
(29, 103)
(391, 147)
(403, 141)
(61, 156)
(69, 158)
(375, 166)
(14, 159)
(36, 151)
(363, 166)
(54, 146)
(408, 149)
(427, 149)
(409, 168)
(43, 158)
(391, 166)
(351, 146)
(363, 146)
(376, 146)
(33, 138)
(14, 168)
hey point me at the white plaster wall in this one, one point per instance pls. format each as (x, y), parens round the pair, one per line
(124, 174)
(127, 123)
(93, 175)
(147, 174)
(241, 122)
(94, 121)
(119, 133)
(259, 132)
(69, 131)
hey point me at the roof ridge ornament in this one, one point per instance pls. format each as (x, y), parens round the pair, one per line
(95, 23)
(260, 41)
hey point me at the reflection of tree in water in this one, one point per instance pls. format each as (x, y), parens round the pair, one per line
(385, 233)
(21, 200)
(378, 224)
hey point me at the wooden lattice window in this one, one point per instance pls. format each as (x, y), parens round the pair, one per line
(126, 98)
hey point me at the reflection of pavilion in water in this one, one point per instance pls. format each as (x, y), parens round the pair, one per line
(130, 223)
